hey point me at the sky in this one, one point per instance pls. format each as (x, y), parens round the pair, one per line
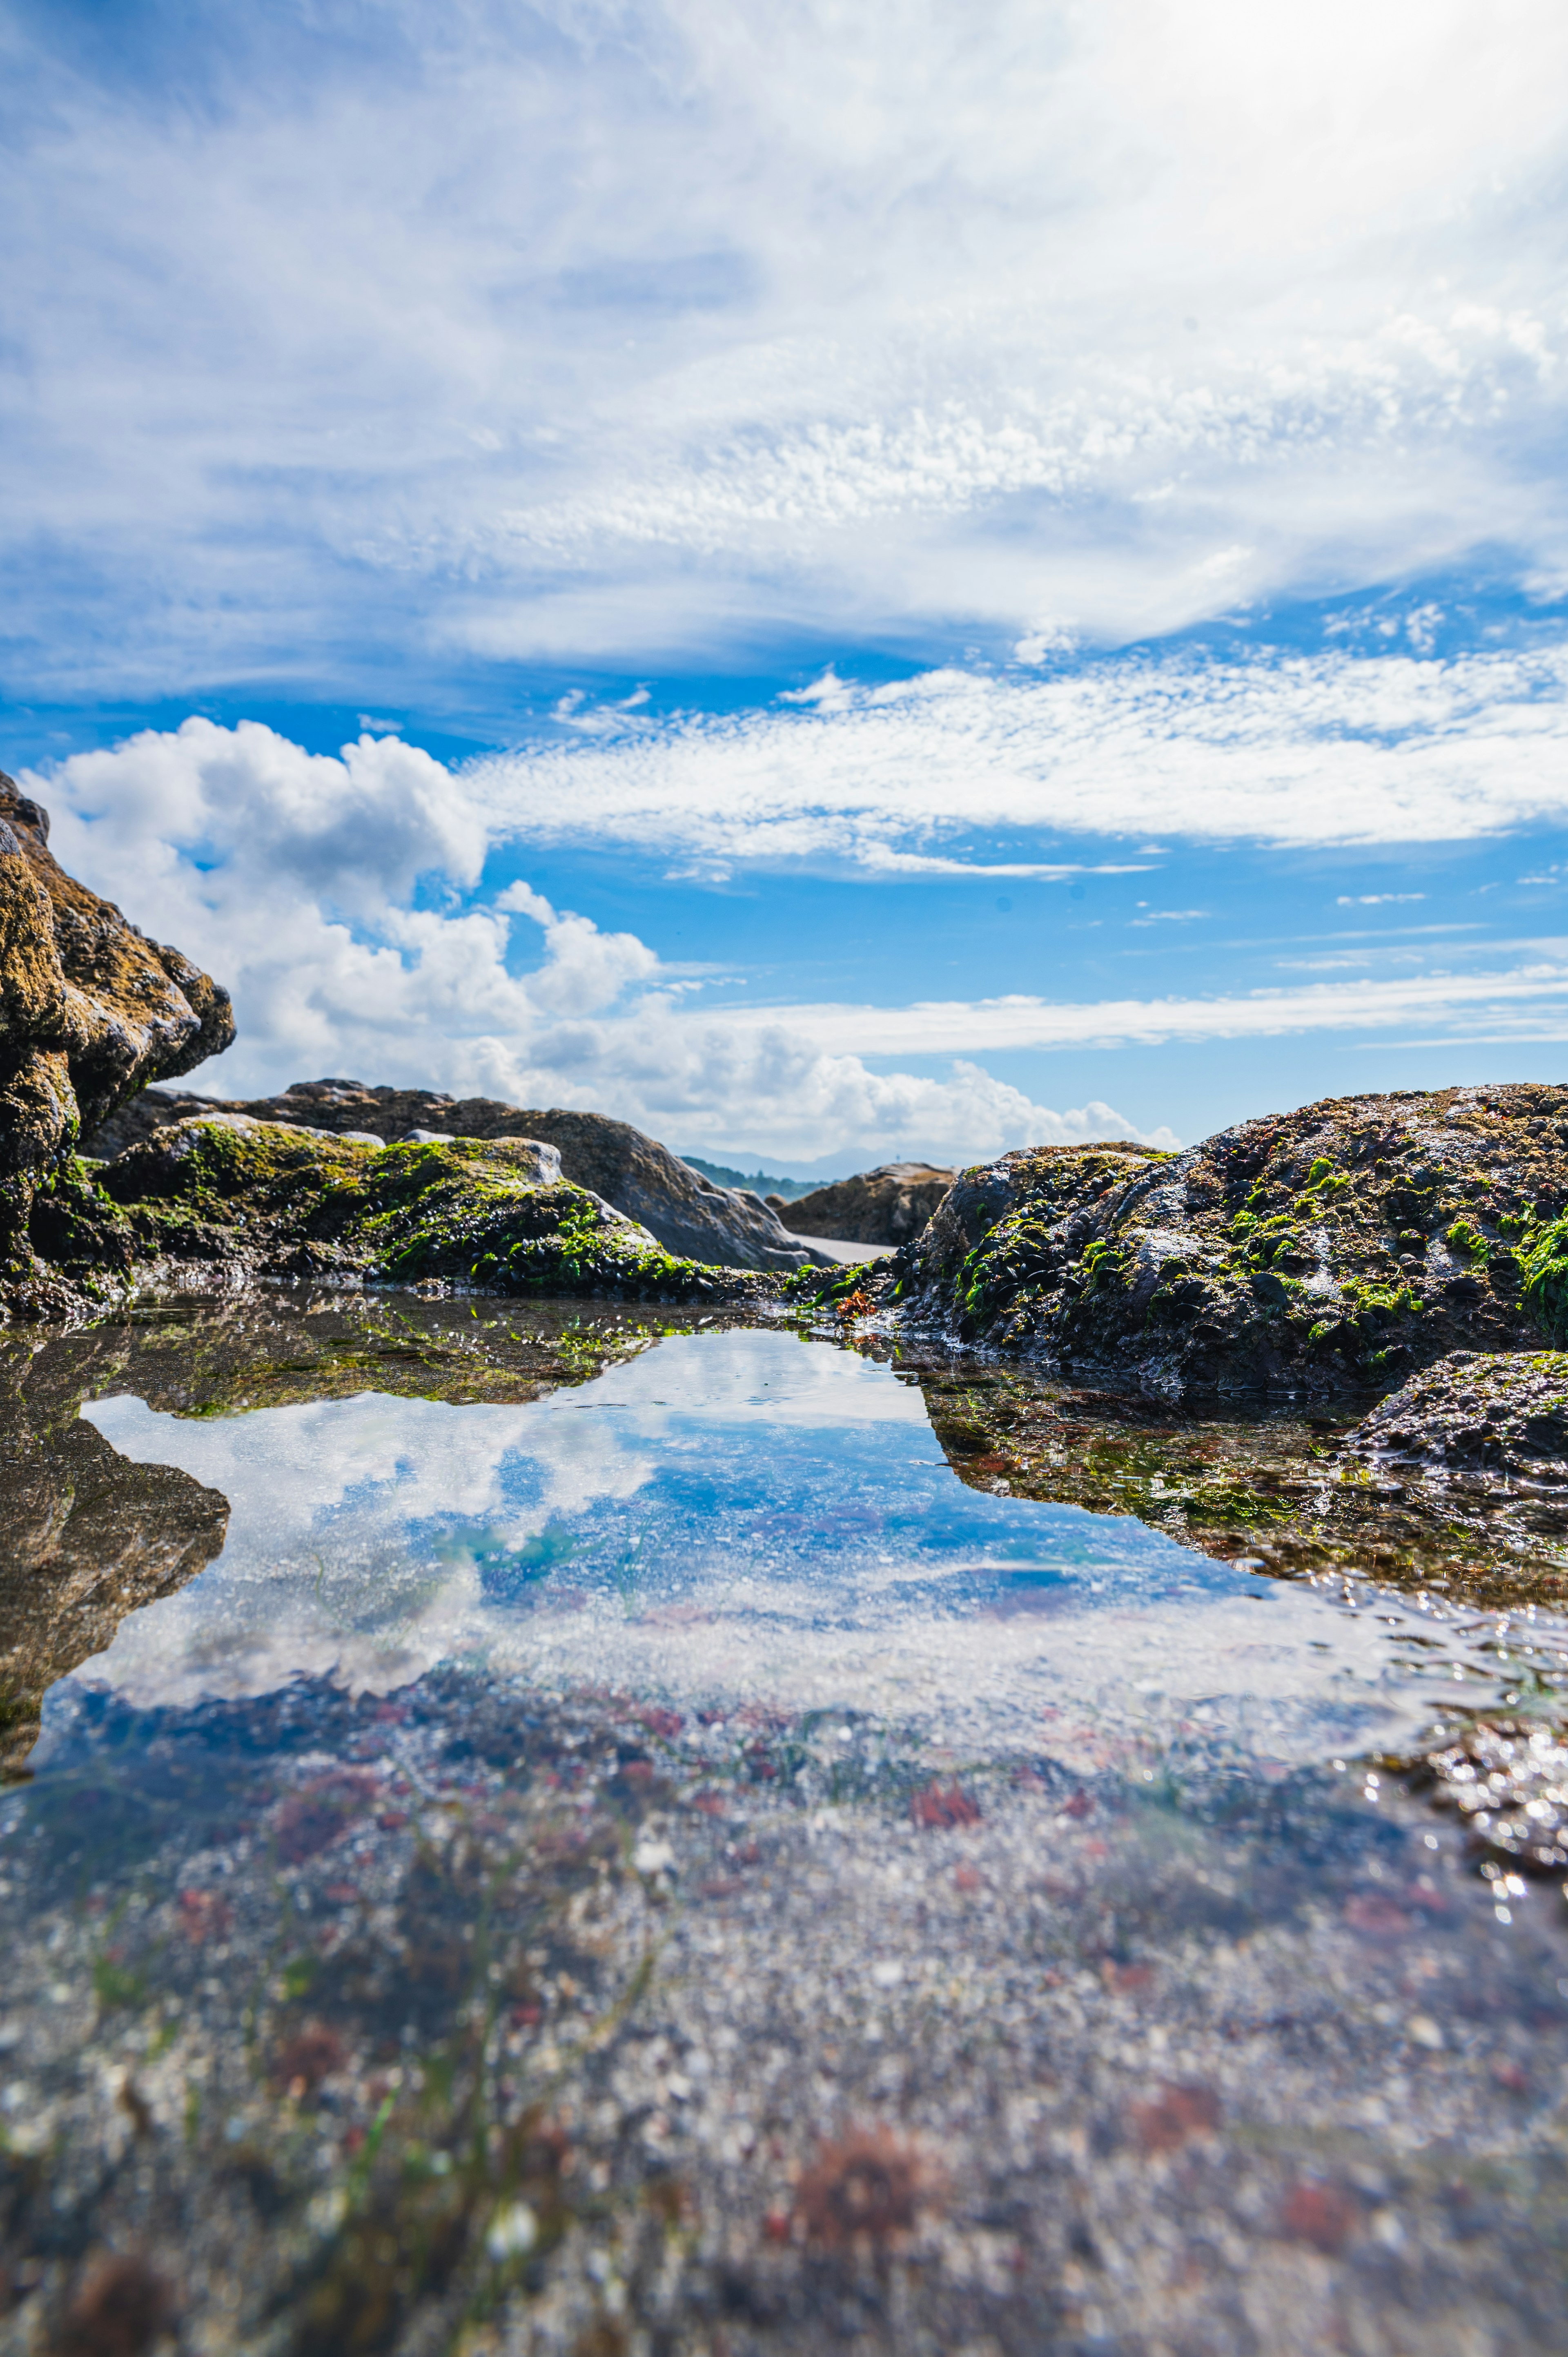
(837, 582)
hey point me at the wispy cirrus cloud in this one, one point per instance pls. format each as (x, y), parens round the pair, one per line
(1528, 1001)
(1334, 748)
(387, 343)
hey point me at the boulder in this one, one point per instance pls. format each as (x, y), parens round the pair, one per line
(885, 1206)
(725, 1227)
(1338, 1247)
(214, 1202)
(1502, 1413)
(91, 1010)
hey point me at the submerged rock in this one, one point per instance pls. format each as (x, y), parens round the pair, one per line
(885, 1206)
(725, 1227)
(1507, 1779)
(91, 1010)
(1336, 1248)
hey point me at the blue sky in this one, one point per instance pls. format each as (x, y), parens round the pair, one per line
(833, 582)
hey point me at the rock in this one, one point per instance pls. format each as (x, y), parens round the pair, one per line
(885, 1206)
(91, 1010)
(1338, 1247)
(218, 1201)
(725, 1227)
(1493, 1412)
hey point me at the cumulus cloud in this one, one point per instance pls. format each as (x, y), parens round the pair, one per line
(327, 893)
(562, 331)
(342, 898)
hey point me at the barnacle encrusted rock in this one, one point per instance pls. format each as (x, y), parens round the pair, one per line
(1338, 1247)
(214, 1202)
(727, 1227)
(885, 1206)
(91, 1010)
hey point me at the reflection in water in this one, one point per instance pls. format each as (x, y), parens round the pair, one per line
(657, 1862)
(86, 1536)
(1271, 1485)
(735, 1516)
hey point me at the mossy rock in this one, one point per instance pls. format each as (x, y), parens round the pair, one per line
(1335, 1248)
(215, 1204)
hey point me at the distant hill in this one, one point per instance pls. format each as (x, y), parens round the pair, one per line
(762, 1181)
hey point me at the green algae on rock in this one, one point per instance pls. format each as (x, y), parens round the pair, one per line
(1329, 1250)
(216, 1203)
(468, 1211)
(686, 1212)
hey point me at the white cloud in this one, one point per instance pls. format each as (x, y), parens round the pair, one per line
(1525, 1002)
(293, 877)
(339, 899)
(591, 331)
(1332, 749)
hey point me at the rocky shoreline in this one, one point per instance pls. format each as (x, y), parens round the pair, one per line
(1334, 1249)
(1409, 1248)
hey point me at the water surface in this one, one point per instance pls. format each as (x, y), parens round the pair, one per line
(630, 1853)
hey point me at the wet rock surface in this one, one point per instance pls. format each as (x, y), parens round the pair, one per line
(1337, 1248)
(690, 1216)
(91, 1010)
(1500, 1412)
(1507, 1782)
(886, 1206)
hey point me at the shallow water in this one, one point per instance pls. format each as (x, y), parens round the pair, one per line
(743, 1517)
(663, 1865)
